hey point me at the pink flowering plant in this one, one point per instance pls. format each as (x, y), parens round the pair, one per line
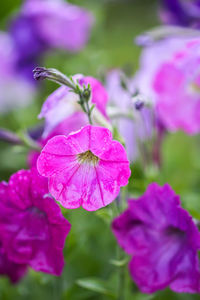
(99, 188)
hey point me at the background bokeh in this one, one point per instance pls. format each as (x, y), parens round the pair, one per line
(89, 247)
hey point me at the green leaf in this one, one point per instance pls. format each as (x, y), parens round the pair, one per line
(143, 297)
(117, 136)
(96, 285)
(92, 107)
(119, 263)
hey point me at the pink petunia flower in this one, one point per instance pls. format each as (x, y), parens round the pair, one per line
(172, 79)
(84, 169)
(32, 228)
(63, 103)
(163, 241)
(68, 125)
(63, 114)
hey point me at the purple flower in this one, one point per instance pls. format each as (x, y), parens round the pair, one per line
(32, 228)
(181, 12)
(9, 268)
(15, 91)
(43, 25)
(29, 46)
(163, 241)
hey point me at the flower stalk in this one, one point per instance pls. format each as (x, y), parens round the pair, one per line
(84, 92)
(22, 139)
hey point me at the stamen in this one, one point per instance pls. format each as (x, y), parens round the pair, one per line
(88, 158)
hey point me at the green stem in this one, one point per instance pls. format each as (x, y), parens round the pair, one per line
(28, 142)
(90, 120)
(123, 203)
(85, 107)
(88, 113)
(119, 207)
(121, 277)
(41, 73)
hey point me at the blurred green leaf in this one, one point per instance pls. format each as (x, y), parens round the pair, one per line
(120, 263)
(96, 285)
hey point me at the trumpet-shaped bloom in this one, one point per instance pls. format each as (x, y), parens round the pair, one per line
(59, 24)
(163, 240)
(32, 228)
(172, 79)
(43, 25)
(84, 169)
(62, 103)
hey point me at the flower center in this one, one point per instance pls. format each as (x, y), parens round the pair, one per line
(194, 86)
(176, 232)
(36, 211)
(87, 158)
(194, 89)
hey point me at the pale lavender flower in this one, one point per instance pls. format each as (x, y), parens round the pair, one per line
(43, 25)
(128, 113)
(15, 90)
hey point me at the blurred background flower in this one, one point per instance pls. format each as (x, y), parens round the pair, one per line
(171, 79)
(15, 90)
(181, 12)
(95, 38)
(43, 25)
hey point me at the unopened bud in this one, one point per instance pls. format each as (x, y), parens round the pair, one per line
(41, 73)
(139, 104)
(87, 94)
(139, 101)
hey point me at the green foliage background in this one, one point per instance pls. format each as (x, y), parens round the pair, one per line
(90, 246)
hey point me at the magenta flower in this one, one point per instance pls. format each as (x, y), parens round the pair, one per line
(84, 169)
(32, 228)
(62, 103)
(9, 268)
(68, 125)
(172, 79)
(163, 240)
